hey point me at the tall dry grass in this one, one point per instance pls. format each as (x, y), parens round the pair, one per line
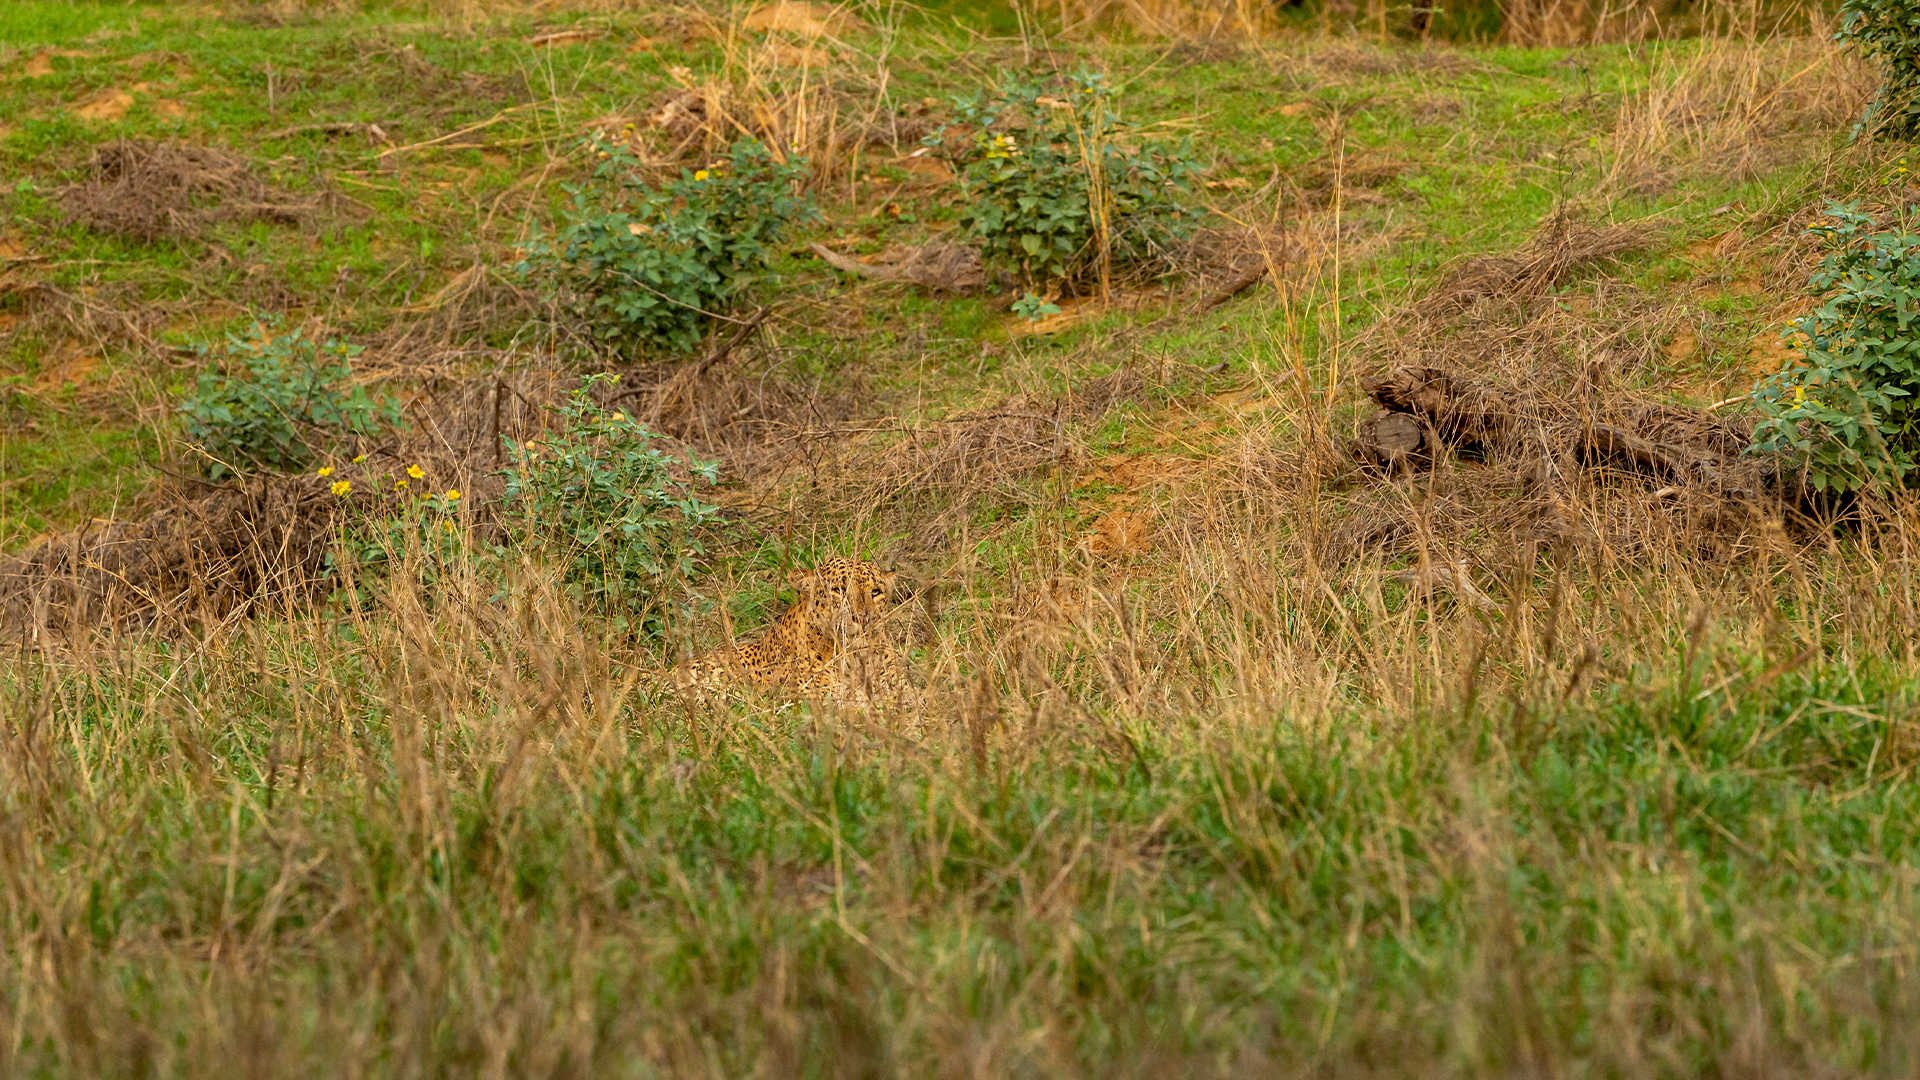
(1733, 105)
(1222, 808)
(809, 80)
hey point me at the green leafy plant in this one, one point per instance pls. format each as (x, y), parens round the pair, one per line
(1889, 30)
(654, 266)
(1032, 308)
(618, 513)
(277, 401)
(1849, 410)
(1059, 188)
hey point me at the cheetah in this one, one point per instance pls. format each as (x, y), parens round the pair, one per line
(823, 646)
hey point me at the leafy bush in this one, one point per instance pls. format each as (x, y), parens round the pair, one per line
(599, 495)
(1849, 411)
(278, 401)
(1047, 173)
(1890, 30)
(653, 266)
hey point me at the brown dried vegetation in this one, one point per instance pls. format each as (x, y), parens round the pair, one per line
(150, 190)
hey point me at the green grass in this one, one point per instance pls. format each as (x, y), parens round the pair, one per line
(1663, 881)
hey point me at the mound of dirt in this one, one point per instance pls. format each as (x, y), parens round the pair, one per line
(151, 190)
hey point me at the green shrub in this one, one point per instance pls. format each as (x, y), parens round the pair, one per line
(651, 267)
(1848, 411)
(619, 514)
(278, 400)
(1043, 168)
(1889, 30)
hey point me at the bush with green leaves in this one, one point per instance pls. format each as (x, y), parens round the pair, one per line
(618, 514)
(1890, 31)
(652, 267)
(1049, 172)
(277, 400)
(1848, 413)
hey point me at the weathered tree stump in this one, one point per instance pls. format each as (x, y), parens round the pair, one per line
(1394, 441)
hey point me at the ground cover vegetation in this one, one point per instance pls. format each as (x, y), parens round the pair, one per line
(1405, 514)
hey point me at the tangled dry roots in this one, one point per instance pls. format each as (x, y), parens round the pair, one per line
(149, 190)
(1581, 466)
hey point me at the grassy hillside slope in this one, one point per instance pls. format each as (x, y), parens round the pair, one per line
(1217, 772)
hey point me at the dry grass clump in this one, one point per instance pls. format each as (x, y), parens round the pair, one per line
(758, 421)
(1732, 107)
(149, 190)
(977, 452)
(100, 317)
(1206, 21)
(1506, 424)
(796, 76)
(1561, 246)
(263, 545)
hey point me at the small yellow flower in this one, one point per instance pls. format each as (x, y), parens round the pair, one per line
(620, 416)
(359, 459)
(701, 175)
(415, 472)
(453, 494)
(328, 471)
(341, 487)
(399, 485)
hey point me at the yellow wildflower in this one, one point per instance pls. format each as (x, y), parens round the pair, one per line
(453, 494)
(701, 175)
(341, 487)
(415, 472)
(328, 471)
(399, 485)
(360, 458)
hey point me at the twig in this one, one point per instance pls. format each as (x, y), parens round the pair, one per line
(1234, 288)
(726, 348)
(496, 118)
(338, 127)
(559, 36)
